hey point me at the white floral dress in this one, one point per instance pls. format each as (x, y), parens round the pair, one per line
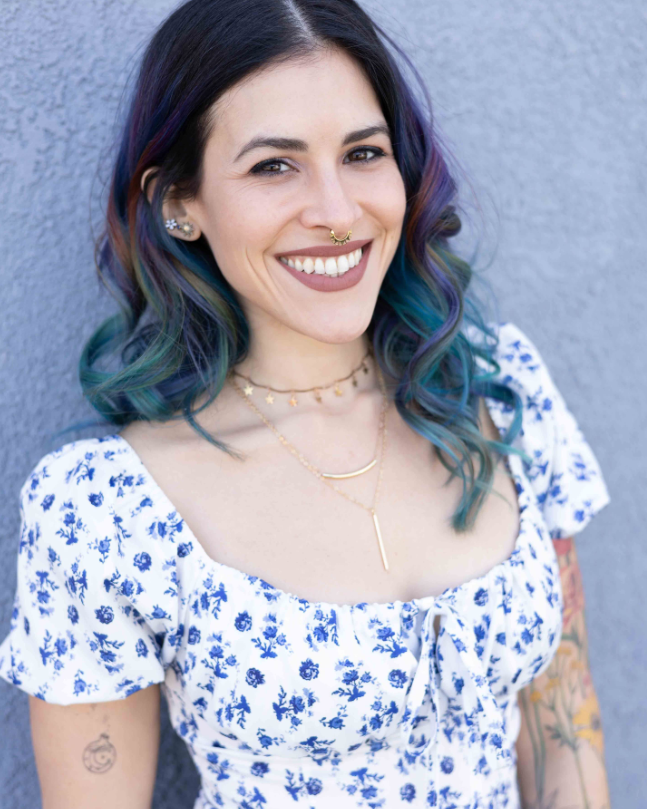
(281, 700)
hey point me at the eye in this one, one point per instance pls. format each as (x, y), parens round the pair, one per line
(367, 154)
(268, 167)
(375, 151)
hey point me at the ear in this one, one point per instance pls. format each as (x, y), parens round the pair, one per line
(176, 218)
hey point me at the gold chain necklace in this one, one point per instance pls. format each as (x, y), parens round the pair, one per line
(249, 387)
(322, 477)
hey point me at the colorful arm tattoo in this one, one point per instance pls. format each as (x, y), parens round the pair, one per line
(561, 745)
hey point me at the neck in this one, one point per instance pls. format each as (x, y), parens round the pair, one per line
(285, 359)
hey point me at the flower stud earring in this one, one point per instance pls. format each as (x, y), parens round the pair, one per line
(186, 228)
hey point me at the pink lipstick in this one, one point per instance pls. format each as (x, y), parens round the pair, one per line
(329, 283)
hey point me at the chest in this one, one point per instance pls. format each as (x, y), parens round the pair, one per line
(270, 517)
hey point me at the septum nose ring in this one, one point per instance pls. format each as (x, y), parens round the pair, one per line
(346, 238)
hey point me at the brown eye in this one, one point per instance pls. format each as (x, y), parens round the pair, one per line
(269, 167)
(367, 154)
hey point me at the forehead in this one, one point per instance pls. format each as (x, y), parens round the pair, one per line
(324, 93)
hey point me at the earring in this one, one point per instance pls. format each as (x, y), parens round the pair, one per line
(186, 227)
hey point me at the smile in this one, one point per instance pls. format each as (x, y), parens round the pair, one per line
(328, 269)
(325, 266)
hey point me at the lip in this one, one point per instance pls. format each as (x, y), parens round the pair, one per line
(327, 283)
(328, 252)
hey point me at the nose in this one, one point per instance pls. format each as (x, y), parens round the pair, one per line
(330, 203)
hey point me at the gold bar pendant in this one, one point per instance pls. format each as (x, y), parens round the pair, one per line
(379, 540)
(344, 475)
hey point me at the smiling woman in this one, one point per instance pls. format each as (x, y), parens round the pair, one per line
(281, 213)
(253, 211)
(270, 198)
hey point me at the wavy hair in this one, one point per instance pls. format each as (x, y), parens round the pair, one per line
(180, 327)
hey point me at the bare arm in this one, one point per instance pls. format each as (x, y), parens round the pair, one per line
(561, 746)
(97, 755)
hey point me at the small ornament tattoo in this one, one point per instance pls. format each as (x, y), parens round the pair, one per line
(100, 755)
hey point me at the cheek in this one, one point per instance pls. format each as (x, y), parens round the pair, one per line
(238, 228)
(243, 220)
(389, 204)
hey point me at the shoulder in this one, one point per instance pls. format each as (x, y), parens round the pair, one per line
(94, 502)
(89, 472)
(97, 594)
(79, 495)
(520, 362)
(88, 518)
(560, 465)
(521, 368)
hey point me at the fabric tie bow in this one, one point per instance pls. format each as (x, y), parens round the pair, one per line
(449, 669)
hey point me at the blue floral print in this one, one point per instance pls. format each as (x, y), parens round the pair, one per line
(281, 700)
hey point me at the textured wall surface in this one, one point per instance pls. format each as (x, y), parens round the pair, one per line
(543, 104)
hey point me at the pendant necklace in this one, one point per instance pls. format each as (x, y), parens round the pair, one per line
(250, 385)
(326, 478)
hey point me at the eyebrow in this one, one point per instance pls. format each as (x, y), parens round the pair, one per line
(296, 145)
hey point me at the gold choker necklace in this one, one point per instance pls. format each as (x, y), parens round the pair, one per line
(249, 387)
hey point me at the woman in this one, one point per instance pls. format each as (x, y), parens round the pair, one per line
(336, 527)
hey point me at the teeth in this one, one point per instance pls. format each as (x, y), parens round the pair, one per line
(329, 266)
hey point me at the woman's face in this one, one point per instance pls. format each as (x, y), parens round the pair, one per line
(330, 166)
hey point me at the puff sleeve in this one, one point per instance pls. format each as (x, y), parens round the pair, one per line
(565, 474)
(90, 617)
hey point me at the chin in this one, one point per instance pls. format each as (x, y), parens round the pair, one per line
(337, 334)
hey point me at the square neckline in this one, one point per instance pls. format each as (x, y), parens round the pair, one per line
(420, 602)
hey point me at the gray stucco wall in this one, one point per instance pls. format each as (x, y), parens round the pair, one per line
(543, 104)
